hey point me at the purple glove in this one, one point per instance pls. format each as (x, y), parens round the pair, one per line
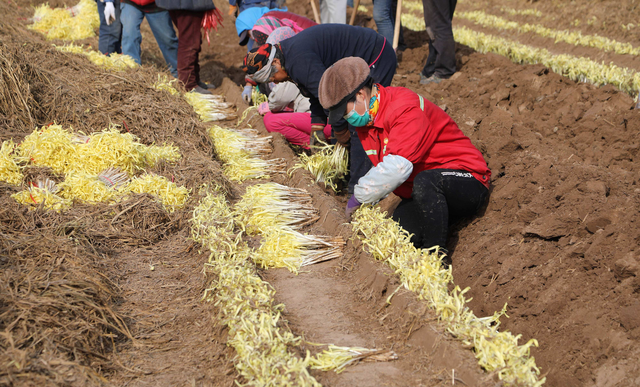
(352, 205)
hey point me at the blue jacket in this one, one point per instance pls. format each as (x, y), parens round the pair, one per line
(186, 5)
(308, 54)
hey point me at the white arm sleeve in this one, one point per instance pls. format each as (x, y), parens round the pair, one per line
(383, 179)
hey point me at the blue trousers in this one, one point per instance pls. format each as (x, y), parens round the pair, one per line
(162, 28)
(110, 39)
(384, 14)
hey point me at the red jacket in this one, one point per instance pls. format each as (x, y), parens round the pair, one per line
(427, 137)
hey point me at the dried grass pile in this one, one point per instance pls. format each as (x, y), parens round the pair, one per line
(56, 304)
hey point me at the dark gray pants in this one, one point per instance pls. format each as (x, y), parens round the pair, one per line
(442, 48)
(440, 198)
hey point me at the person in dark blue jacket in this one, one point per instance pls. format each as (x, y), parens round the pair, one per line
(303, 59)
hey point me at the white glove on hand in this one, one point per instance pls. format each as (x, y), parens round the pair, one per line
(246, 94)
(109, 13)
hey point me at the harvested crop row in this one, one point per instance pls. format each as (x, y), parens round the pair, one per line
(576, 68)
(421, 272)
(572, 37)
(246, 302)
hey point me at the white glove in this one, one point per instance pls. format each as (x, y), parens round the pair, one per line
(109, 13)
(246, 94)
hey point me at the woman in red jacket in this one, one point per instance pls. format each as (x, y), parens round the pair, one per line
(417, 150)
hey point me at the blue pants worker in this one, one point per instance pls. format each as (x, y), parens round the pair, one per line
(162, 27)
(110, 39)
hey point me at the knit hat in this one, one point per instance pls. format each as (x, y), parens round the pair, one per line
(258, 62)
(280, 34)
(340, 83)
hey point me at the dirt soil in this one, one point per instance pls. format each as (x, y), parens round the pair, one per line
(558, 241)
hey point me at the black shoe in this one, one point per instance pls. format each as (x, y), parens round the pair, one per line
(200, 90)
(432, 79)
(206, 86)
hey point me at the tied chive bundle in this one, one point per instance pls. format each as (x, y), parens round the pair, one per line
(275, 211)
(9, 170)
(239, 150)
(44, 195)
(264, 206)
(113, 61)
(328, 165)
(77, 22)
(338, 358)
(63, 151)
(210, 107)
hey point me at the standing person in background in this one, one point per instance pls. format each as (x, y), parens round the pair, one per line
(303, 59)
(237, 6)
(417, 150)
(187, 16)
(110, 39)
(441, 62)
(384, 14)
(132, 12)
(333, 11)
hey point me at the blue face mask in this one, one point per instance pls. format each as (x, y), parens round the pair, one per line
(356, 119)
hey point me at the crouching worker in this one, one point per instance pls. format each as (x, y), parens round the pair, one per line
(417, 150)
(288, 112)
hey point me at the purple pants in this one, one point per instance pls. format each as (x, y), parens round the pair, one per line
(295, 127)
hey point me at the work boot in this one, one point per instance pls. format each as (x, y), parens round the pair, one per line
(206, 86)
(424, 80)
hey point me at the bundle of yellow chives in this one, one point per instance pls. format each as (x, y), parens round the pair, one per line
(78, 22)
(88, 188)
(113, 61)
(264, 206)
(328, 165)
(163, 83)
(34, 196)
(338, 358)
(171, 195)
(51, 146)
(239, 153)
(9, 170)
(64, 151)
(210, 107)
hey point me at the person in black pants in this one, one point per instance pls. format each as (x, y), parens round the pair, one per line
(303, 59)
(417, 150)
(441, 62)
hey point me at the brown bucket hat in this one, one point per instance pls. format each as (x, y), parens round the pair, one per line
(340, 83)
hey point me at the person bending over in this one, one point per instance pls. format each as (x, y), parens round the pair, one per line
(417, 150)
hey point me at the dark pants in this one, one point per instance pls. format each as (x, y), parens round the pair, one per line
(188, 24)
(440, 198)
(110, 39)
(382, 72)
(442, 48)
